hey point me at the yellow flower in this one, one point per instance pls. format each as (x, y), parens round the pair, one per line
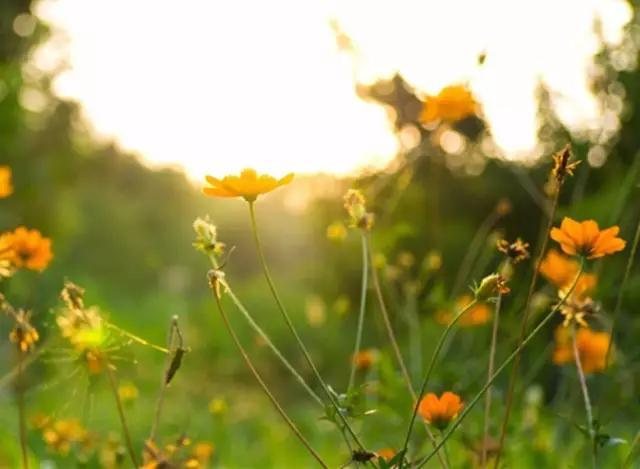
(62, 434)
(355, 204)
(217, 406)
(247, 185)
(592, 349)
(453, 103)
(336, 231)
(127, 392)
(440, 411)
(586, 239)
(29, 249)
(23, 334)
(6, 189)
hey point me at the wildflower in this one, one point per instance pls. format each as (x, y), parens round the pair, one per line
(365, 359)
(336, 231)
(23, 334)
(247, 185)
(517, 251)
(354, 203)
(6, 189)
(207, 237)
(586, 239)
(440, 411)
(561, 165)
(477, 315)
(490, 286)
(315, 310)
(29, 249)
(61, 435)
(6, 255)
(386, 453)
(217, 406)
(453, 103)
(558, 269)
(432, 262)
(592, 349)
(127, 392)
(341, 305)
(576, 308)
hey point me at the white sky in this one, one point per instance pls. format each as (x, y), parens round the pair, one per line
(216, 86)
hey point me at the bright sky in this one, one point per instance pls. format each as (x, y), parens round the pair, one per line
(216, 86)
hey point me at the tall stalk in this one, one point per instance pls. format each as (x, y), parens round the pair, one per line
(292, 329)
(21, 410)
(263, 385)
(523, 325)
(487, 400)
(500, 369)
(396, 348)
(121, 414)
(363, 307)
(587, 400)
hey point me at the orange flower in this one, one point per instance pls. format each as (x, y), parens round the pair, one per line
(29, 249)
(561, 271)
(365, 359)
(592, 349)
(6, 189)
(586, 239)
(453, 103)
(247, 185)
(386, 453)
(479, 314)
(439, 412)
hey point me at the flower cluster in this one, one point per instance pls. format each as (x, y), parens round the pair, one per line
(182, 454)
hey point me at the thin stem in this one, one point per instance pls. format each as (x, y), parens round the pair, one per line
(444, 450)
(263, 385)
(502, 367)
(432, 364)
(123, 419)
(523, 326)
(490, 368)
(135, 338)
(292, 329)
(585, 394)
(363, 307)
(631, 456)
(394, 344)
(621, 291)
(21, 410)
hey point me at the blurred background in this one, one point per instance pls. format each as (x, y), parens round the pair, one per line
(112, 113)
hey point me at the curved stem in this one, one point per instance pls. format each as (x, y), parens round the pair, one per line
(502, 367)
(432, 364)
(363, 307)
(123, 419)
(585, 395)
(21, 411)
(292, 329)
(263, 385)
(487, 401)
(523, 327)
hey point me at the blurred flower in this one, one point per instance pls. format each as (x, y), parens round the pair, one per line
(386, 453)
(29, 249)
(365, 359)
(336, 231)
(128, 392)
(217, 406)
(354, 203)
(440, 411)
(247, 185)
(175, 455)
(6, 189)
(207, 237)
(6, 255)
(576, 308)
(23, 334)
(561, 165)
(432, 261)
(517, 251)
(503, 207)
(405, 259)
(315, 311)
(453, 103)
(342, 305)
(61, 435)
(586, 239)
(558, 269)
(490, 286)
(592, 349)
(477, 315)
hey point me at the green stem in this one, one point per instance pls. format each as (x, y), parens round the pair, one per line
(432, 363)
(523, 327)
(585, 394)
(502, 367)
(490, 368)
(631, 455)
(21, 411)
(292, 329)
(123, 419)
(444, 450)
(363, 307)
(263, 385)
(263, 335)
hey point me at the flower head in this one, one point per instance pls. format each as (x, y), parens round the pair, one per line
(490, 287)
(355, 204)
(29, 249)
(23, 334)
(247, 185)
(562, 271)
(6, 189)
(452, 104)
(577, 308)
(207, 237)
(61, 435)
(477, 315)
(517, 251)
(386, 453)
(440, 411)
(592, 349)
(586, 239)
(365, 359)
(561, 165)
